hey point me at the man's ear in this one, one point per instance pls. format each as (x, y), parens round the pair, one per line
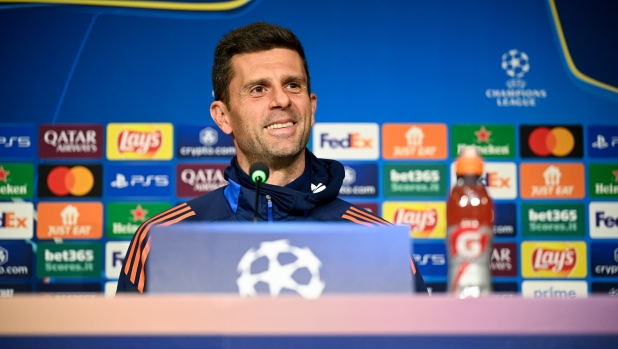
(314, 106)
(221, 116)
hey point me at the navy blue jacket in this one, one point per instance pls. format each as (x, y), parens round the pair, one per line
(311, 197)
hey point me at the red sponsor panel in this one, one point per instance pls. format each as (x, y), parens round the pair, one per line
(64, 141)
(504, 259)
(196, 179)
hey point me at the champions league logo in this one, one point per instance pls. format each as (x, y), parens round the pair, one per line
(279, 276)
(516, 64)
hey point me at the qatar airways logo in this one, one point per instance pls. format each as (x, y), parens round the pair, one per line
(198, 179)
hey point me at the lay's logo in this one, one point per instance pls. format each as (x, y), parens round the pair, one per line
(420, 221)
(554, 259)
(425, 219)
(140, 141)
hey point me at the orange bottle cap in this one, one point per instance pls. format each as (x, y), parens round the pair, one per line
(469, 162)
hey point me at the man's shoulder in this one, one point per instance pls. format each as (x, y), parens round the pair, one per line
(341, 210)
(211, 206)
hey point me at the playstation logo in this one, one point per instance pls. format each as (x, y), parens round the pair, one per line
(601, 143)
(120, 182)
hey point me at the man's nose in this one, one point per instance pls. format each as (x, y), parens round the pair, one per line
(280, 98)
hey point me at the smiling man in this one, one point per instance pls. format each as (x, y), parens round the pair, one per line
(263, 99)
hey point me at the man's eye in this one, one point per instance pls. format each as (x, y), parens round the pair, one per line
(294, 85)
(258, 89)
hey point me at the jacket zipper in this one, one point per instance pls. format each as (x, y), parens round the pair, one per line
(270, 209)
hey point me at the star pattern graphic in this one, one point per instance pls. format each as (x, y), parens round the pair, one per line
(139, 214)
(615, 172)
(482, 135)
(4, 174)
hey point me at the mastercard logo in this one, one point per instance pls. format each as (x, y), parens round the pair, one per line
(77, 181)
(548, 141)
(70, 180)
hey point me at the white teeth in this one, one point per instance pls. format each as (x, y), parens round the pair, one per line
(274, 126)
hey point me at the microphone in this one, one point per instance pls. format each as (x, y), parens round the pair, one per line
(259, 174)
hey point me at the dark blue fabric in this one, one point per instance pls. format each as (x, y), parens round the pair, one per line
(293, 202)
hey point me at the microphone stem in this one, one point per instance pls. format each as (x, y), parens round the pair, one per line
(257, 199)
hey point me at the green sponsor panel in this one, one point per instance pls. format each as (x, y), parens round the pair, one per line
(492, 141)
(68, 260)
(123, 219)
(603, 180)
(16, 180)
(415, 180)
(553, 220)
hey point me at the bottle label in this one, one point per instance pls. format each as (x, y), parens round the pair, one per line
(469, 258)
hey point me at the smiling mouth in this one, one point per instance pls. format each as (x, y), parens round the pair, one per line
(277, 126)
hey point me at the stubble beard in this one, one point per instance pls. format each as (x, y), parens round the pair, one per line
(276, 157)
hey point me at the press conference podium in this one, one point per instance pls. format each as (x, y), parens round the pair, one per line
(357, 321)
(185, 311)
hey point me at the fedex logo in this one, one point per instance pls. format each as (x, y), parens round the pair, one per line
(353, 140)
(346, 141)
(500, 178)
(10, 220)
(115, 252)
(494, 180)
(603, 221)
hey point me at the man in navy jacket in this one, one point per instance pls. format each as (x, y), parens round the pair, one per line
(263, 99)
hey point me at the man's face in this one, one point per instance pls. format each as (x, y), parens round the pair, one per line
(270, 111)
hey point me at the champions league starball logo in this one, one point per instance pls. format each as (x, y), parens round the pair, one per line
(279, 276)
(516, 64)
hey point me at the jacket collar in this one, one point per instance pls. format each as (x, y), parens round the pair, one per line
(319, 183)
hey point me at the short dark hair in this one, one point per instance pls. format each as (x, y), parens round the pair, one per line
(251, 38)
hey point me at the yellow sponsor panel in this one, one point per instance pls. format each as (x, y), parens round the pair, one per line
(425, 219)
(554, 259)
(140, 141)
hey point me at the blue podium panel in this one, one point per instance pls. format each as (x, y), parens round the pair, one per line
(252, 259)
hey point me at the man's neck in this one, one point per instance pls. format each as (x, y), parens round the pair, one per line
(280, 174)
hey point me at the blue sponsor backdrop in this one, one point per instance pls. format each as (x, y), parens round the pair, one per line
(17, 141)
(360, 180)
(383, 62)
(505, 223)
(203, 141)
(431, 259)
(138, 180)
(15, 260)
(603, 141)
(604, 259)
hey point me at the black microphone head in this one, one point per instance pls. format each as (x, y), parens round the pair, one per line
(259, 172)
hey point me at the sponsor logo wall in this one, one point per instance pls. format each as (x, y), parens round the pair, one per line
(554, 187)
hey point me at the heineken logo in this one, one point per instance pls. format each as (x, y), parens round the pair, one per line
(123, 219)
(603, 180)
(16, 180)
(492, 141)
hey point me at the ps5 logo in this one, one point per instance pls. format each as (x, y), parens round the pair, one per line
(436, 259)
(601, 143)
(18, 141)
(144, 181)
